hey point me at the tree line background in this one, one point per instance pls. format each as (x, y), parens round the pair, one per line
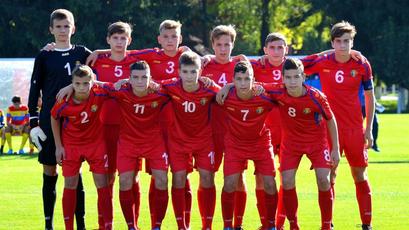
(383, 26)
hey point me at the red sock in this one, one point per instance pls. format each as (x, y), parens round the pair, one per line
(178, 201)
(161, 205)
(239, 207)
(69, 201)
(104, 199)
(136, 190)
(227, 208)
(280, 216)
(207, 204)
(188, 202)
(128, 207)
(152, 201)
(261, 206)
(325, 201)
(271, 207)
(364, 197)
(101, 223)
(291, 205)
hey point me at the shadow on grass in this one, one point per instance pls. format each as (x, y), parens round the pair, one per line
(389, 162)
(19, 157)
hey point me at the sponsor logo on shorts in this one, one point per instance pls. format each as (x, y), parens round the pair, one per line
(94, 108)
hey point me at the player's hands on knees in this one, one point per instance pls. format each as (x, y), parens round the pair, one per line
(207, 82)
(36, 135)
(335, 157)
(49, 47)
(120, 83)
(258, 90)
(222, 94)
(59, 154)
(368, 138)
(65, 92)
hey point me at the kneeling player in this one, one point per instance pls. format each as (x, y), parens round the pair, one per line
(247, 138)
(79, 137)
(302, 109)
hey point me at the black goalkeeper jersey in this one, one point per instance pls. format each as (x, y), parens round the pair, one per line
(52, 71)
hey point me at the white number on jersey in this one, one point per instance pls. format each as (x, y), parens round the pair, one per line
(171, 67)
(245, 113)
(339, 76)
(165, 157)
(222, 80)
(291, 112)
(68, 67)
(190, 107)
(139, 108)
(118, 71)
(211, 156)
(327, 157)
(106, 161)
(277, 74)
(84, 116)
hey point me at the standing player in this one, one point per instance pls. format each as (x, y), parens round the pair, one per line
(17, 122)
(302, 109)
(190, 137)
(275, 48)
(247, 138)
(221, 70)
(341, 77)
(52, 71)
(77, 132)
(138, 105)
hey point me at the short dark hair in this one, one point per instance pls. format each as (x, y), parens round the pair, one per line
(189, 58)
(119, 28)
(271, 37)
(341, 28)
(81, 71)
(139, 65)
(242, 67)
(16, 99)
(61, 14)
(292, 63)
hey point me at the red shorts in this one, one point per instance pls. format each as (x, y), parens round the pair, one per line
(291, 154)
(129, 156)
(273, 122)
(94, 154)
(181, 156)
(111, 137)
(352, 144)
(236, 157)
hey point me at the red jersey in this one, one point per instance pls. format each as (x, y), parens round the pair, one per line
(17, 116)
(140, 115)
(161, 65)
(81, 123)
(220, 73)
(340, 83)
(246, 118)
(191, 110)
(108, 70)
(302, 117)
(267, 73)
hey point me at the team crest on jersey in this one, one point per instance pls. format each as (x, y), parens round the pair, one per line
(259, 110)
(203, 101)
(156, 61)
(154, 104)
(307, 111)
(353, 73)
(94, 108)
